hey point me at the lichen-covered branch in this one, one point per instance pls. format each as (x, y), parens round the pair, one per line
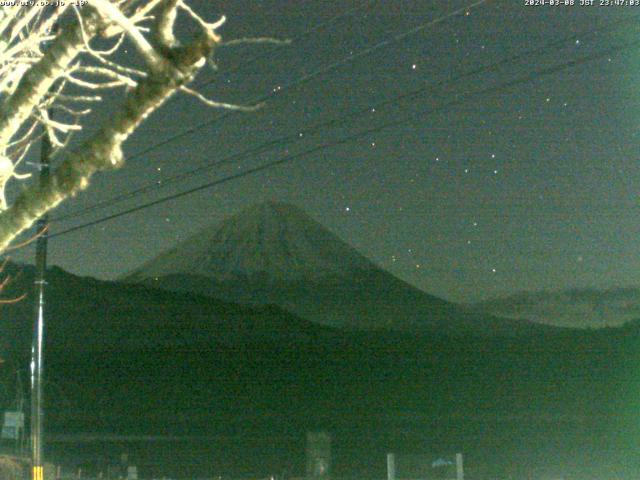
(38, 80)
(46, 68)
(104, 150)
(111, 12)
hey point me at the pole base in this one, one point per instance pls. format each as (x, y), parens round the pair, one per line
(37, 473)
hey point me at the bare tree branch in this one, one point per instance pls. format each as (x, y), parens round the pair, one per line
(109, 11)
(104, 150)
(37, 81)
(255, 40)
(216, 104)
(42, 68)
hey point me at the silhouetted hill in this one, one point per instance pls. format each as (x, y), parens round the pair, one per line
(130, 359)
(97, 315)
(574, 308)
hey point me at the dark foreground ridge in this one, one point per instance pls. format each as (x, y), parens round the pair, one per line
(127, 359)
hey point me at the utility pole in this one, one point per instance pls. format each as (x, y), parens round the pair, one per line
(20, 437)
(37, 346)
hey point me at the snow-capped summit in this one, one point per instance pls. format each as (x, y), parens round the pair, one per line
(274, 253)
(270, 241)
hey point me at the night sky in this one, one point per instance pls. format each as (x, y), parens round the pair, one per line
(525, 187)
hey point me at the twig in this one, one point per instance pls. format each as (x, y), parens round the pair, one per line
(24, 244)
(216, 104)
(255, 40)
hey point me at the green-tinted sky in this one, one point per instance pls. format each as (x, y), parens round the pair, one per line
(527, 187)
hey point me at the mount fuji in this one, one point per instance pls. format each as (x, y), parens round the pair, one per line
(274, 253)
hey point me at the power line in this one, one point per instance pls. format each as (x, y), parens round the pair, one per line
(252, 59)
(246, 62)
(304, 79)
(310, 76)
(264, 147)
(289, 158)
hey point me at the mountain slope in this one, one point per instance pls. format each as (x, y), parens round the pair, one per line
(576, 308)
(271, 242)
(132, 359)
(274, 253)
(92, 315)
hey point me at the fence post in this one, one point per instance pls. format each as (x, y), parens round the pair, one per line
(318, 455)
(459, 467)
(391, 466)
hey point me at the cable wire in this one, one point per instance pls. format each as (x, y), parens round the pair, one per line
(283, 140)
(304, 79)
(348, 139)
(308, 77)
